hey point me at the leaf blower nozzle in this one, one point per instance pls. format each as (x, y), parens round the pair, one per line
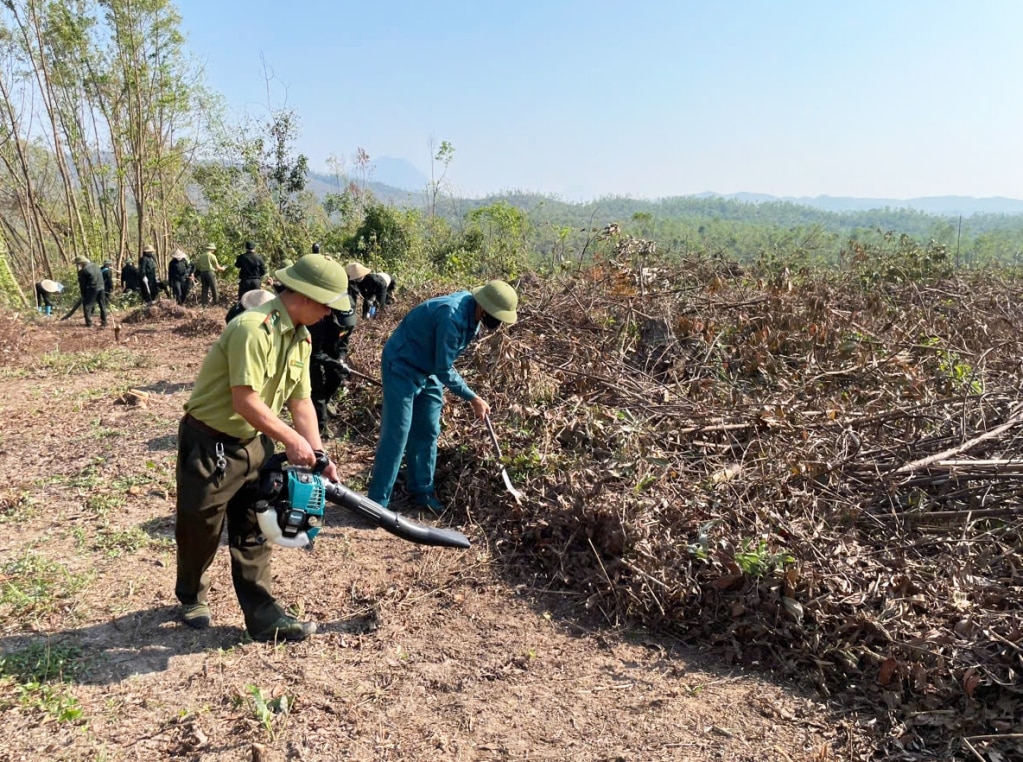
(291, 502)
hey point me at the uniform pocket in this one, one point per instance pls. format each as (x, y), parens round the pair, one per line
(202, 460)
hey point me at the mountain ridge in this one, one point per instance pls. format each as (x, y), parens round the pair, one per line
(398, 181)
(937, 205)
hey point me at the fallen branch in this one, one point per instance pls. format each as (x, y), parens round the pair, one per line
(916, 465)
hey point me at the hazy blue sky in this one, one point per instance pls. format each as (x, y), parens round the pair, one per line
(877, 98)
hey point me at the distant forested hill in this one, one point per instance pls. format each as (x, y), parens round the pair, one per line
(744, 227)
(787, 215)
(942, 206)
(917, 217)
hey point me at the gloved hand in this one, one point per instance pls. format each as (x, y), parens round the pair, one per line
(322, 358)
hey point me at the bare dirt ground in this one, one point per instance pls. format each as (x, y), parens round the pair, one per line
(422, 654)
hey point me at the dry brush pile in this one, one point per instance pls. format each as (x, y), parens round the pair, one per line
(819, 478)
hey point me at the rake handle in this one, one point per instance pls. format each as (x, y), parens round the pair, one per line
(493, 436)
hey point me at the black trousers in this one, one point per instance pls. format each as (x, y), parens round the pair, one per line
(90, 299)
(180, 289)
(205, 499)
(325, 379)
(247, 284)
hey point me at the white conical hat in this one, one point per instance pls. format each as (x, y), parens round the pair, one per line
(255, 298)
(356, 270)
(49, 286)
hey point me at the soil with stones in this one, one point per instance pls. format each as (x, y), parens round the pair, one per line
(422, 653)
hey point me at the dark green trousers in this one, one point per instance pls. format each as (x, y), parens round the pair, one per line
(205, 499)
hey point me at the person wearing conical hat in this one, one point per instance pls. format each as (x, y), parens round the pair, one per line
(355, 271)
(250, 299)
(258, 366)
(206, 268)
(179, 275)
(416, 366)
(44, 289)
(371, 286)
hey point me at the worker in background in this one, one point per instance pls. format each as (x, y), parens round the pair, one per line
(251, 269)
(206, 268)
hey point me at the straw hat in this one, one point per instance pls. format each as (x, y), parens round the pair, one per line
(148, 249)
(49, 286)
(80, 260)
(356, 270)
(179, 254)
(255, 298)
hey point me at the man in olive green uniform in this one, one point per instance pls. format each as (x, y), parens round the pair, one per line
(207, 267)
(259, 364)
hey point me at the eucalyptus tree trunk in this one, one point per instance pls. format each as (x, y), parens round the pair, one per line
(29, 22)
(20, 194)
(151, 68)
(114, 95)
(15, 154)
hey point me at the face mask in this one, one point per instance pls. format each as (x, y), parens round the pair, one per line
(491, 322)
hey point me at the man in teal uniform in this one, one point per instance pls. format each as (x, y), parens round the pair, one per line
(417, 363)
(259, 364)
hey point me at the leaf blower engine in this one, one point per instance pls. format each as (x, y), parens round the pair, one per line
(292, 499)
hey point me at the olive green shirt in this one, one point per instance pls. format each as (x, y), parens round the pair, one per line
(260, 348)
(206, 261)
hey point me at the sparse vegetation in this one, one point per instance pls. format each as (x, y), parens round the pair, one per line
(38, 677)
(93, 361)
(268, 711)
(114, 543)
(36, 586)
(727, 454)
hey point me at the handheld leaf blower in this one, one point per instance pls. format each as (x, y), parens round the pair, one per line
(292, 500)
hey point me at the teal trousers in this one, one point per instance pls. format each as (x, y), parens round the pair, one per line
(409, 428)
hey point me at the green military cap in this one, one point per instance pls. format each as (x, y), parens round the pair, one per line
(322, 280)
(498, 300)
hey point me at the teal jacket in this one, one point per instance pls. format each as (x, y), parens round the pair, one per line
(431, 337)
